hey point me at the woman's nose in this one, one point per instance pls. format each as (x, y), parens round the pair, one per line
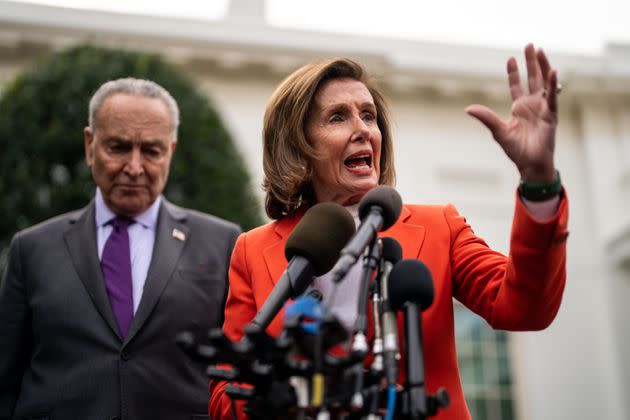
(361, 131)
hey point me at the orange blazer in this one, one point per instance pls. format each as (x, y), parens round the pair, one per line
(521, 291)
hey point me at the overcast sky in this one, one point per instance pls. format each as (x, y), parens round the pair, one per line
(582, 27)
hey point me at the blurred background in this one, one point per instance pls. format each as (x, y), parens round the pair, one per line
(432, 60)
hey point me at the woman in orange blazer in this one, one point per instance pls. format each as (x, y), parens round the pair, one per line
(327, 138)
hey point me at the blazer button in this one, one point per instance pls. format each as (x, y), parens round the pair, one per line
(124, 356)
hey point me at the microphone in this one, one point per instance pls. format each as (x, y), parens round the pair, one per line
(311, 249)
(411, 290)
(392, 253)
(378, 210)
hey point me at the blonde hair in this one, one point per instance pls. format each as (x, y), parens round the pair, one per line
(286, 151)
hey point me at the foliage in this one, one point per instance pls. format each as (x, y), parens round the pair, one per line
(42, 116)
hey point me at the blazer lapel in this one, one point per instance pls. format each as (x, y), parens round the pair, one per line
(80, 240)
(170, 238)
(410, 236)
(274, 254)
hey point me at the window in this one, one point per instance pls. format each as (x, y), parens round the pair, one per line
(484, 365)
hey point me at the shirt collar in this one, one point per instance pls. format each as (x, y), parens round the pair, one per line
(103, 214)
(353, 209)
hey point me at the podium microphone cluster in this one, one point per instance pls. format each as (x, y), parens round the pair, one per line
(312, 249)
(378, 210)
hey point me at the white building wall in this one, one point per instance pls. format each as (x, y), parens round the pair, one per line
(241, 103)
(571, 370)
(604, 125)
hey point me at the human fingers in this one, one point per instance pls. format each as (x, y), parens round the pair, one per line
(545, 67)
(534, 73)
(514, 79)
(552, 89)
(488, 118)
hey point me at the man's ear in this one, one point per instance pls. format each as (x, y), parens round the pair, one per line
(89, 150)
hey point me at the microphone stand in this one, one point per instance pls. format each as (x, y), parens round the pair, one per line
(377, 367)
(359, 343)
(416, 404)
(414, 364)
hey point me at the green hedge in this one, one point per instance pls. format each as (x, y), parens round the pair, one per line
(42, 116)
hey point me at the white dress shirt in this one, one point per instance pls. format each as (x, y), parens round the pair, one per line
(141, 240)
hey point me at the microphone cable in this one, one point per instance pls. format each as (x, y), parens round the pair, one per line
(391, 402)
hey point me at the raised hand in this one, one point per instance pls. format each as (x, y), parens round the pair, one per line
(528, 135)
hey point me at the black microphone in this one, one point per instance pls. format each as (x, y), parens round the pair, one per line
(311, 249)
(378, 210)
(392, 253)
(411, 290)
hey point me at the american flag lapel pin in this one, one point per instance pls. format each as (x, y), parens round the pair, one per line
(178, 234)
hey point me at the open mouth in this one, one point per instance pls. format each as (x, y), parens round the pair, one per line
(359, 161)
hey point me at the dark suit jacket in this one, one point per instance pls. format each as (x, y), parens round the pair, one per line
(61, 356)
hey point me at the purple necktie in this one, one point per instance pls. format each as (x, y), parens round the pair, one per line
(116, 267)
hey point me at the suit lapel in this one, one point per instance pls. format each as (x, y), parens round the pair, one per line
(170, 238)
(80, 240)
(410, 236)
(273, 254)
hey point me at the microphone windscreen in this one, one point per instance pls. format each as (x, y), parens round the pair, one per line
(385, 198)
(392, 250)
(321, 234)
(410, 281)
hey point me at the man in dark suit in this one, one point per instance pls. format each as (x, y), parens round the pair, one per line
(92, 300)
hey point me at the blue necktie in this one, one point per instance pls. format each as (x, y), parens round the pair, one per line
(116, 267)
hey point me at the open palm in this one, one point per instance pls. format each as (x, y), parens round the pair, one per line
(528, 135)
